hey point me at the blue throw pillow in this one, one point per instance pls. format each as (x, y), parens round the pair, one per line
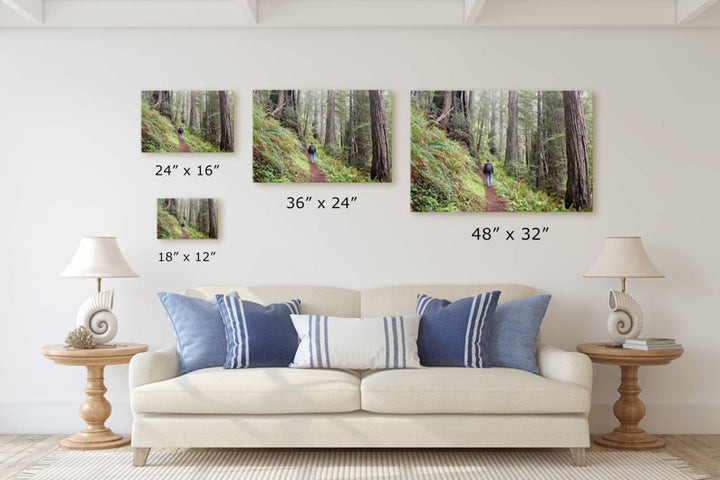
(257, 335)
(513, 333)
(199, 331)
(454, 334)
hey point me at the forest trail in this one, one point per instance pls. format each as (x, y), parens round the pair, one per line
(495, 203)
(316, 175)
(184, 234)
(182, 146)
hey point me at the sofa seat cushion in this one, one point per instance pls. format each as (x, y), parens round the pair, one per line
(252, 391)
(469, 390)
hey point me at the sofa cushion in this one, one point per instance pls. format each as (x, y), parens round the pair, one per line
(357, 343)
(469, 390)
(258, 335)
(513, 333)
(251, 391)
(454, 334)
(198, 329)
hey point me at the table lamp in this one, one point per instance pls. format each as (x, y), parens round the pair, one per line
(623, 258)
(99, 257)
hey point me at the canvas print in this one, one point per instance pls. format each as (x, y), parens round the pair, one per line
(322, 136)
(187, 218)
(502, 151)
(188, 121)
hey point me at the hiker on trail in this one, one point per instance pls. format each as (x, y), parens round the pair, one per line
(181, 132)
(488, 170)
(312, 151)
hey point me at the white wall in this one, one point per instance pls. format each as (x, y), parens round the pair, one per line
(70, 166)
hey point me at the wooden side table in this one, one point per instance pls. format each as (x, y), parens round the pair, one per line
(629, 410)
(95, 409)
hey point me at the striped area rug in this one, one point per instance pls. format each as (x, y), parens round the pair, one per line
(358, 464)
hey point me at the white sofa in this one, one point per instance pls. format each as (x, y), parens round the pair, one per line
(435, 407)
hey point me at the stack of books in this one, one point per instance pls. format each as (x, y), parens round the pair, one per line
(651, 344)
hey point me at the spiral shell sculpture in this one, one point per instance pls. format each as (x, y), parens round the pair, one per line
(96, 315)
(626, 318)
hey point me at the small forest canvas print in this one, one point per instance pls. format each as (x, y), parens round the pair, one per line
(502, 151)
(187, 218)
(319, 136)
(188, 121)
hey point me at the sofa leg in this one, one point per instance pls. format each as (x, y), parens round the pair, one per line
(140, 456)
(578, 457)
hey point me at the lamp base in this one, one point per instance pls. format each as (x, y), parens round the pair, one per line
(626, 317)
(96, 315)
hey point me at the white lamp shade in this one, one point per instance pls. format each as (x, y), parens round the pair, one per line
(624, 257)
(98, 257)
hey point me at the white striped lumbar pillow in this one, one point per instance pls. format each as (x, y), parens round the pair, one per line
(356, 343)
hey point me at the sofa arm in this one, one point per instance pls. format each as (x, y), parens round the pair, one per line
(155, 366)
(564, 366)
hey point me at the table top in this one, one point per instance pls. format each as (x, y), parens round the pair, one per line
(120, 353)
(601, 353)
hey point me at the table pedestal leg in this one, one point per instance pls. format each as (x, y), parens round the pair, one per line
(95, 409)
(629, 410)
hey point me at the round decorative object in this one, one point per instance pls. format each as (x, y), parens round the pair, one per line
(96, 315)
(626, 317)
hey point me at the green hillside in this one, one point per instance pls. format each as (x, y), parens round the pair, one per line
(277, 152)
(444, 177)
(169, 227)
(160, 135)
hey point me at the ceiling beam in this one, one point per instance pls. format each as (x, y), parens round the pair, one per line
(249, 8)
(472, 11)
(358, 13)
(149, 13)
(30, 10)
(578, 13)
(689, 10)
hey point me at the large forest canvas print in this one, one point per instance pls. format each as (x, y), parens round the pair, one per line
(187, 218)
(188, 121)
(322, 136)
(502, 151)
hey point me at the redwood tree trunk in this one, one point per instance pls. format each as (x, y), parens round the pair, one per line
(537, 156)
(491, 131)
(212, 219)
(447, 105)
(193, 109)
(553, 135)
(511, 151)
(501, 129)
(226, 130)
(172, 207)
(380, 168)
(164, 103)
(577, 193)
(330, 121)
(280, 105)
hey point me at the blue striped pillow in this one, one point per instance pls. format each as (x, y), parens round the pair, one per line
(356, 343)
(454, 334)
(257, 335)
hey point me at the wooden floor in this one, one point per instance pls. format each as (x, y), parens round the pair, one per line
(17, 452)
